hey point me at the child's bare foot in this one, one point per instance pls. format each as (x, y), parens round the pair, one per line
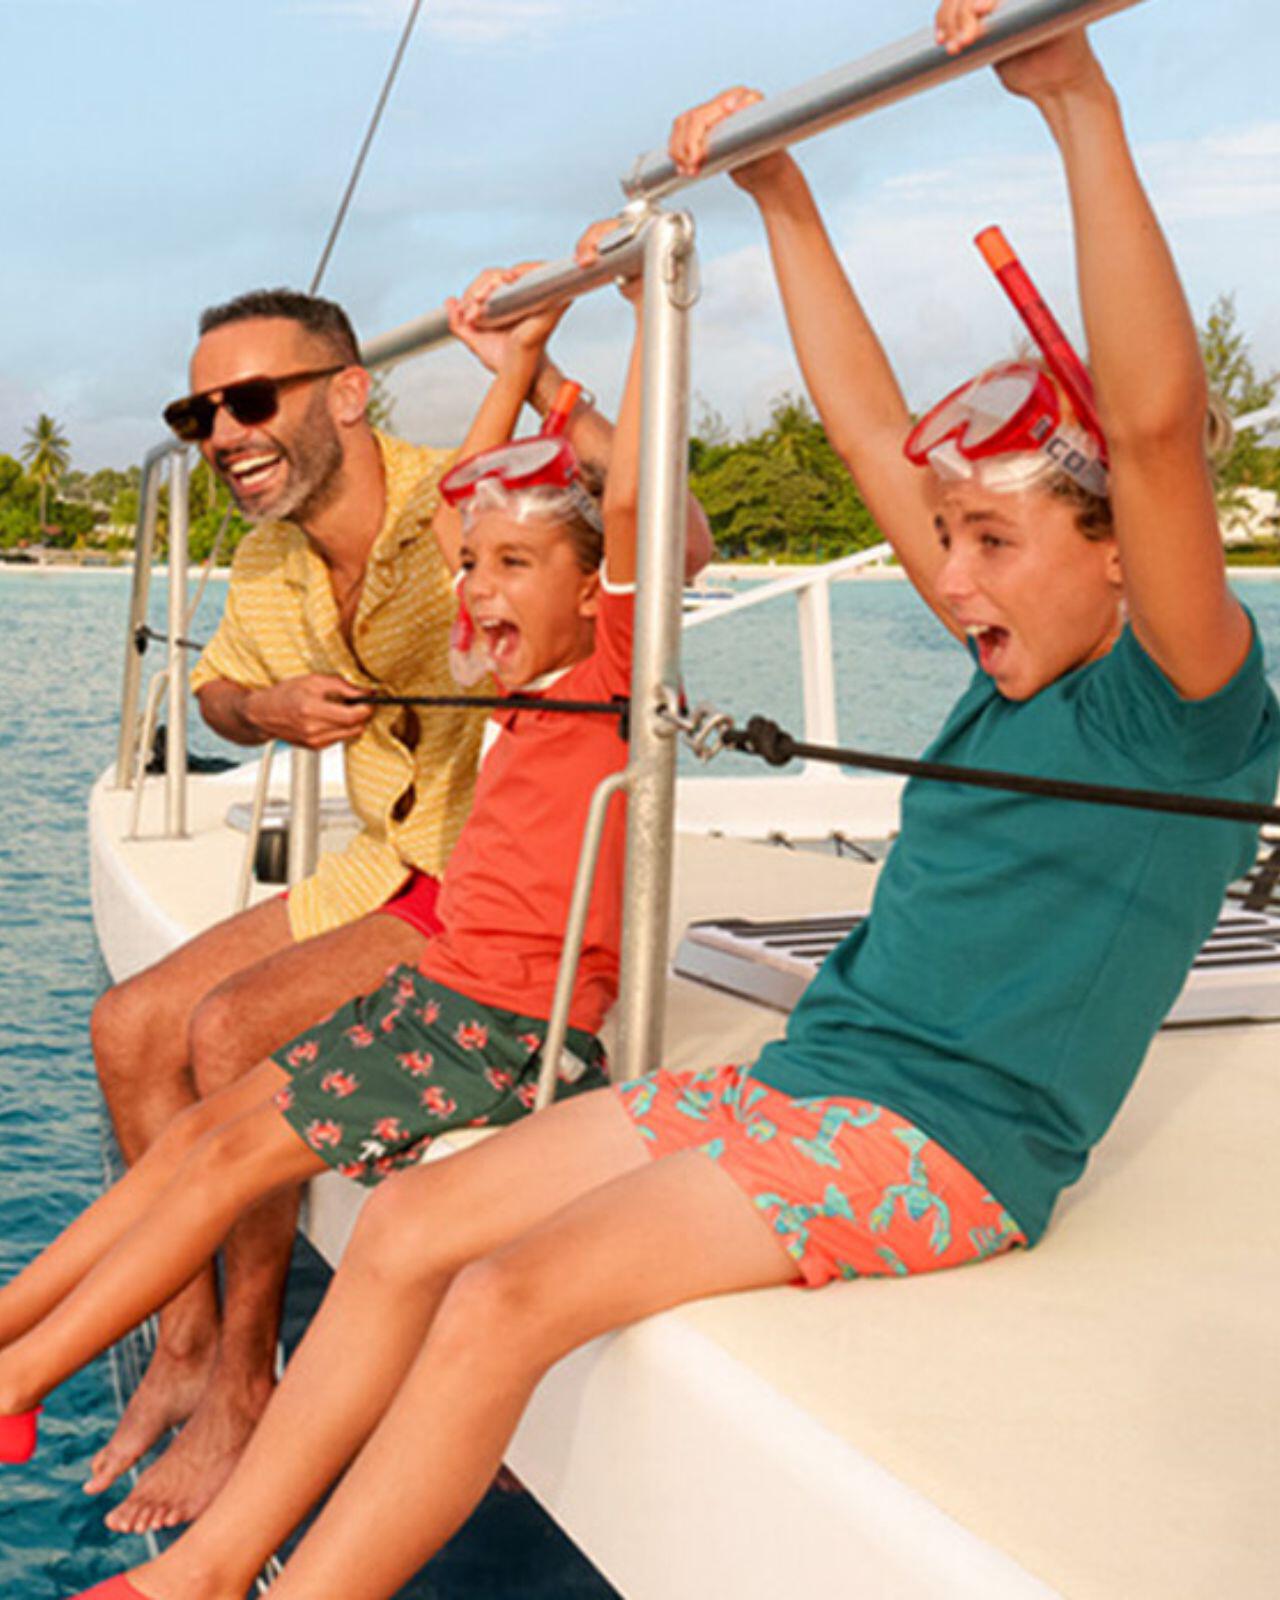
(178, 1487)
(169, 1393)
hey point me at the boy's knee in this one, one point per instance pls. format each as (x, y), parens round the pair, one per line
(392, 1237)
(504, 1300)
(188, 1128)
(227, 1157)
(403, 1234)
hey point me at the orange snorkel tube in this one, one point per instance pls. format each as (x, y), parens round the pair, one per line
(1059, 355)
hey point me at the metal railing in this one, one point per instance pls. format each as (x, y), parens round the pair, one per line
(133, 748)
(817, 659)
(662, 243)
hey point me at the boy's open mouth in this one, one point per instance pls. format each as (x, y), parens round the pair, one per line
(991, 641)
(501, 640)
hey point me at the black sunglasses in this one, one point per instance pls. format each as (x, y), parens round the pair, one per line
(250, 402)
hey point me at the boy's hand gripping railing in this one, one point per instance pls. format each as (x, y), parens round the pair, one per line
(868, 84)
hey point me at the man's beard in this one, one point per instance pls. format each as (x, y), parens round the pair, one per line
(314, 476)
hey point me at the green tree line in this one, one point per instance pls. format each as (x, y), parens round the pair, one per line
(783, 494)
(779, 494)
(45, 501)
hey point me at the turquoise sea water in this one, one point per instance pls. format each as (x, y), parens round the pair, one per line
(61, 646)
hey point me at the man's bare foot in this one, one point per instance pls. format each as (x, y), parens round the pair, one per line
(168, 1394)
(176, 1488)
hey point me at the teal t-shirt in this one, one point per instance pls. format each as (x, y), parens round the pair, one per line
(1021, 952)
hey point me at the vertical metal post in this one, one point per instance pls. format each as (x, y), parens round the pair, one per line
(817, 664)
(175, 770)
(304, 812)
(144, 540)
(668, 294)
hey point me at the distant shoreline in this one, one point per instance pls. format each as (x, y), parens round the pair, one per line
(70, 569)
(715, 572)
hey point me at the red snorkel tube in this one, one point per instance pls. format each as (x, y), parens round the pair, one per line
(557, 419)
(1043, 326)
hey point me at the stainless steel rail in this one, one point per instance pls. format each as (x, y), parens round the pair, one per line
(130, 759)
(175, 764)
(575, 926)
(144, 544)
(915, 63)
(304, 812)
(669, 274)
(621, 255)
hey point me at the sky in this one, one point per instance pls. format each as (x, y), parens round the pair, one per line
(167, 154)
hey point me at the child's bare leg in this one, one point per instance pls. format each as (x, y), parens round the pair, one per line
(671, 1232)
(654, 1237)
(38, 1288)
(415, 1233)
(232, 1166)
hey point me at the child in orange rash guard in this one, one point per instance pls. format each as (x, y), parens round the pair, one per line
(456, 1041)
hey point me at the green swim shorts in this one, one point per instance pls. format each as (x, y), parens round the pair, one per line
(374, 1083)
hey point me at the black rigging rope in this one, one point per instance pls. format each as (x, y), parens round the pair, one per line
(773, 744)
(619, 706)
(764, 739)
(144, 633)
(345, 203)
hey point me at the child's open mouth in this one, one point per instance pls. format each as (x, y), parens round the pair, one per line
(501, 641)
(991, 641)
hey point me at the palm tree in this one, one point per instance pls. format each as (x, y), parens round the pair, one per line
(46, 452)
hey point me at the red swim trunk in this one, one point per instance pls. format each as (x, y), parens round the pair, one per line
(416, 904)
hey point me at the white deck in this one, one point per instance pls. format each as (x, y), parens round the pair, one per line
(1095, 1418)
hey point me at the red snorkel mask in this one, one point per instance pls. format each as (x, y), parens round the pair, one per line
(1015, 423)
(544, 461)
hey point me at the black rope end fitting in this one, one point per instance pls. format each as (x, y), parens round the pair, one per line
(770, 742)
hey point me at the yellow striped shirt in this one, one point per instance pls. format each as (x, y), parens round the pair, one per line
(281, 621)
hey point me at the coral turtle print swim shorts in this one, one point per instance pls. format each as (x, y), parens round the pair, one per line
(851, 1189)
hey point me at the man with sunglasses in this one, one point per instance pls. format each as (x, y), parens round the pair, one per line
(339, 588)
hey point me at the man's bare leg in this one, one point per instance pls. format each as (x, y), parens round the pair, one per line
(140, 1029)
(244, 1019)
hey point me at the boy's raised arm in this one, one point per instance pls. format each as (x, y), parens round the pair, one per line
(527, 364)
(844, 364)
(622, 482)
(1150, 379)
(515, 357)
